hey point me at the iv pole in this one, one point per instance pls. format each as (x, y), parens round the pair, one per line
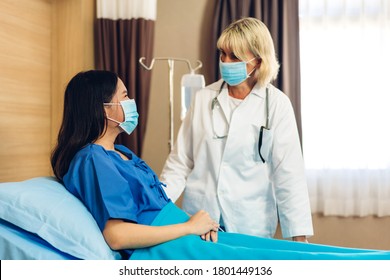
(171, 63)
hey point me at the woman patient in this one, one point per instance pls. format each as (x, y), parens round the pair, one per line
(126, 197)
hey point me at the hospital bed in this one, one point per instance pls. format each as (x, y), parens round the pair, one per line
(40, 219)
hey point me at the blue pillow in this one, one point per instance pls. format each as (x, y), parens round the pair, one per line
(43, 206)
(18, 244)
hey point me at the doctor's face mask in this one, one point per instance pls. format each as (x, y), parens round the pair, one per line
(234, 73)
(131, 115)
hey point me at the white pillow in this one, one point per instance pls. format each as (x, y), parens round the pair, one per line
(43, 206)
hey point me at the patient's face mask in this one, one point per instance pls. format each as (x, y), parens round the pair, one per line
(131, 115)
(234, 73)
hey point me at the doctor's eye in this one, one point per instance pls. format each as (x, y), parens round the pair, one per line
(233, 57)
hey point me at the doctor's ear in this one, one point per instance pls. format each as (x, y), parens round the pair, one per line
(258, 62)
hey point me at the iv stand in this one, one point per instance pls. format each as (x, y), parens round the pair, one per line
(171, 63)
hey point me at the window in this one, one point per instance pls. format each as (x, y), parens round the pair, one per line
(345, 62)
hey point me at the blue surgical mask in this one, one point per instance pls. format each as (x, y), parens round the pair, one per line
(131, 115)
(234, 73)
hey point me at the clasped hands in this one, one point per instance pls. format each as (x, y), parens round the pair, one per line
(203, 225)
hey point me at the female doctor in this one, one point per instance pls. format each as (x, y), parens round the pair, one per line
(238, 154)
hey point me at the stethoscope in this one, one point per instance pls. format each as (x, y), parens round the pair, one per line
(215, 103)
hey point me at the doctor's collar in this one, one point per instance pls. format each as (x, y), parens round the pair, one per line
(257, 90)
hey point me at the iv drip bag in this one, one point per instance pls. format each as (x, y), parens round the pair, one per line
(190, 84)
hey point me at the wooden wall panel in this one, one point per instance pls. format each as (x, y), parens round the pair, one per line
(72, 49)
(43, 43)
(25, 75)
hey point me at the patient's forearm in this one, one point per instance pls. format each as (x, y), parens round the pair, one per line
(124, 235)
(121, 235)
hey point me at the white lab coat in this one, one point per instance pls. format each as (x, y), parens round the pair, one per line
(227, 178)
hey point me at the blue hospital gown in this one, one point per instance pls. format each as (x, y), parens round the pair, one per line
(111, 187)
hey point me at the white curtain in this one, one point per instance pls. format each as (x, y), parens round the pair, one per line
(345, 60)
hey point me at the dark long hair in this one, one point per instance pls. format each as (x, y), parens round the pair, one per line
(84, 116)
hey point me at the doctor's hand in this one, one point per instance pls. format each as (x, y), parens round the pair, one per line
(202, 224)
(300, 239)
(210, 236)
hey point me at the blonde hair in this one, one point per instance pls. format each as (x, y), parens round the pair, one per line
(250, 34)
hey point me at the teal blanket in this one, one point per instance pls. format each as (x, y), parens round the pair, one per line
(233, 246)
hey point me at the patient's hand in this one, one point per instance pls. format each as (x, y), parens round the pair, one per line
(201, 223)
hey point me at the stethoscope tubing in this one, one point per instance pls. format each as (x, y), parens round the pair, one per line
(215, 101)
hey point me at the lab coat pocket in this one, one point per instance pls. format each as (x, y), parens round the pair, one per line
(265, 144)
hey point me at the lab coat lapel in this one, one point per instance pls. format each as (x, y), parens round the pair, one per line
(248, 111)
(223, 101)
(245, 120)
